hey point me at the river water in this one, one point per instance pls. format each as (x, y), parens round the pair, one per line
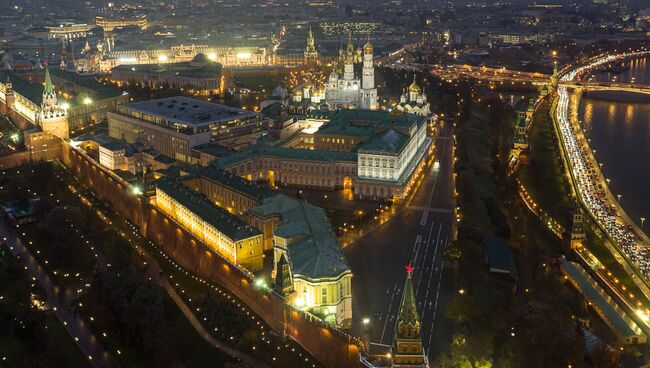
(618, 125)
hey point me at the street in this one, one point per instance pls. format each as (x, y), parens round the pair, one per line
(417, 236)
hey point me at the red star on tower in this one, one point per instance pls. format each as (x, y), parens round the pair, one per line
(409, 268)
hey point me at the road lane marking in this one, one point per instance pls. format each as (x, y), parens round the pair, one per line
(418, 240)
(425, 215)
(417, 288)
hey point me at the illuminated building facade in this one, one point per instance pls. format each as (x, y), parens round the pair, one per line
(108, 24)
(311, 54)
(414, 101)
(345, 90)
(309, 268)
(223, 232)
(200, 76)
(226, 56)
(377, 154)
(66, 31)
(52, 117)
(175, 125)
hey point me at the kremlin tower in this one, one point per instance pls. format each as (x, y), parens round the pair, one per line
(407, 345)
(52, 118)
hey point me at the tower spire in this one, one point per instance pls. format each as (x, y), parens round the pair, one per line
(407, 346)
(408, 320)
(310, 54)
(48, 82)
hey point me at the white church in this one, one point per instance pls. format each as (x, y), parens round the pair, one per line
(344, 89)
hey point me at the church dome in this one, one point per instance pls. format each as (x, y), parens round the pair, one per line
(367, 48)
(414, 86)
(200, 59)
(280, 92)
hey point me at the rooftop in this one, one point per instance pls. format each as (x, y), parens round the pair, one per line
(618, 319)
(100, 91)
(188, 110)
(388, 141)
(236, 183)
(230, 225)
(31, 91)
(376, 118)
(499, 256)
(313, 248)
(287, 153)
(185, 69)
(339, 127)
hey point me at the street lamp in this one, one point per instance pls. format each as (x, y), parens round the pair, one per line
(619, 198)
(642, 221)
(366, 323)
(608, 180)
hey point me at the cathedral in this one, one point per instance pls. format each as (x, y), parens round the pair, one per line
(343, 89)
(414, 101)
(346, 90)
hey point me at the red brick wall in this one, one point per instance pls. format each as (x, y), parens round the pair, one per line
(329, 346)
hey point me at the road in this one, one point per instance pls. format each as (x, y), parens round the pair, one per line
(417, 236)
(631, 243)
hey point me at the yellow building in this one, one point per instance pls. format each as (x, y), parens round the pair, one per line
(223, 232)
(309, 268)
(109, 24)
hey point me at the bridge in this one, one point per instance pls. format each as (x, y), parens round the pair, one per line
(503, 77)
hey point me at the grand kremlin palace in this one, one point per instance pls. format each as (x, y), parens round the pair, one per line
(375, 153)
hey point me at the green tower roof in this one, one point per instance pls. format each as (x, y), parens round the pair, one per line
(48, 81)
(408, 320)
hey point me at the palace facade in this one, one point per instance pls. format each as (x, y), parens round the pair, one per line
(374, 153)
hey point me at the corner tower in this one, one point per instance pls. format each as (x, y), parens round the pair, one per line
(407, 344)
(52, 118)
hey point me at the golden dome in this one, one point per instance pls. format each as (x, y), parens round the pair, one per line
(414, 86)
(367, 48)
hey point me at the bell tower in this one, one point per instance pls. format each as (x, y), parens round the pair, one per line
(368, 92)
(407, 344)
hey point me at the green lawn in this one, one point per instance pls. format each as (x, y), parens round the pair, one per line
(259, 82)
(66, 272)
(21, 324)
(191, 347)
(289, 354)
(543, 177)
(545, 182)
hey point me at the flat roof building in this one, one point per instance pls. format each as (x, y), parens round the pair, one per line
(175, 125)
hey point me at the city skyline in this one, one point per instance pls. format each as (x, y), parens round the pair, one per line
(324, 183)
